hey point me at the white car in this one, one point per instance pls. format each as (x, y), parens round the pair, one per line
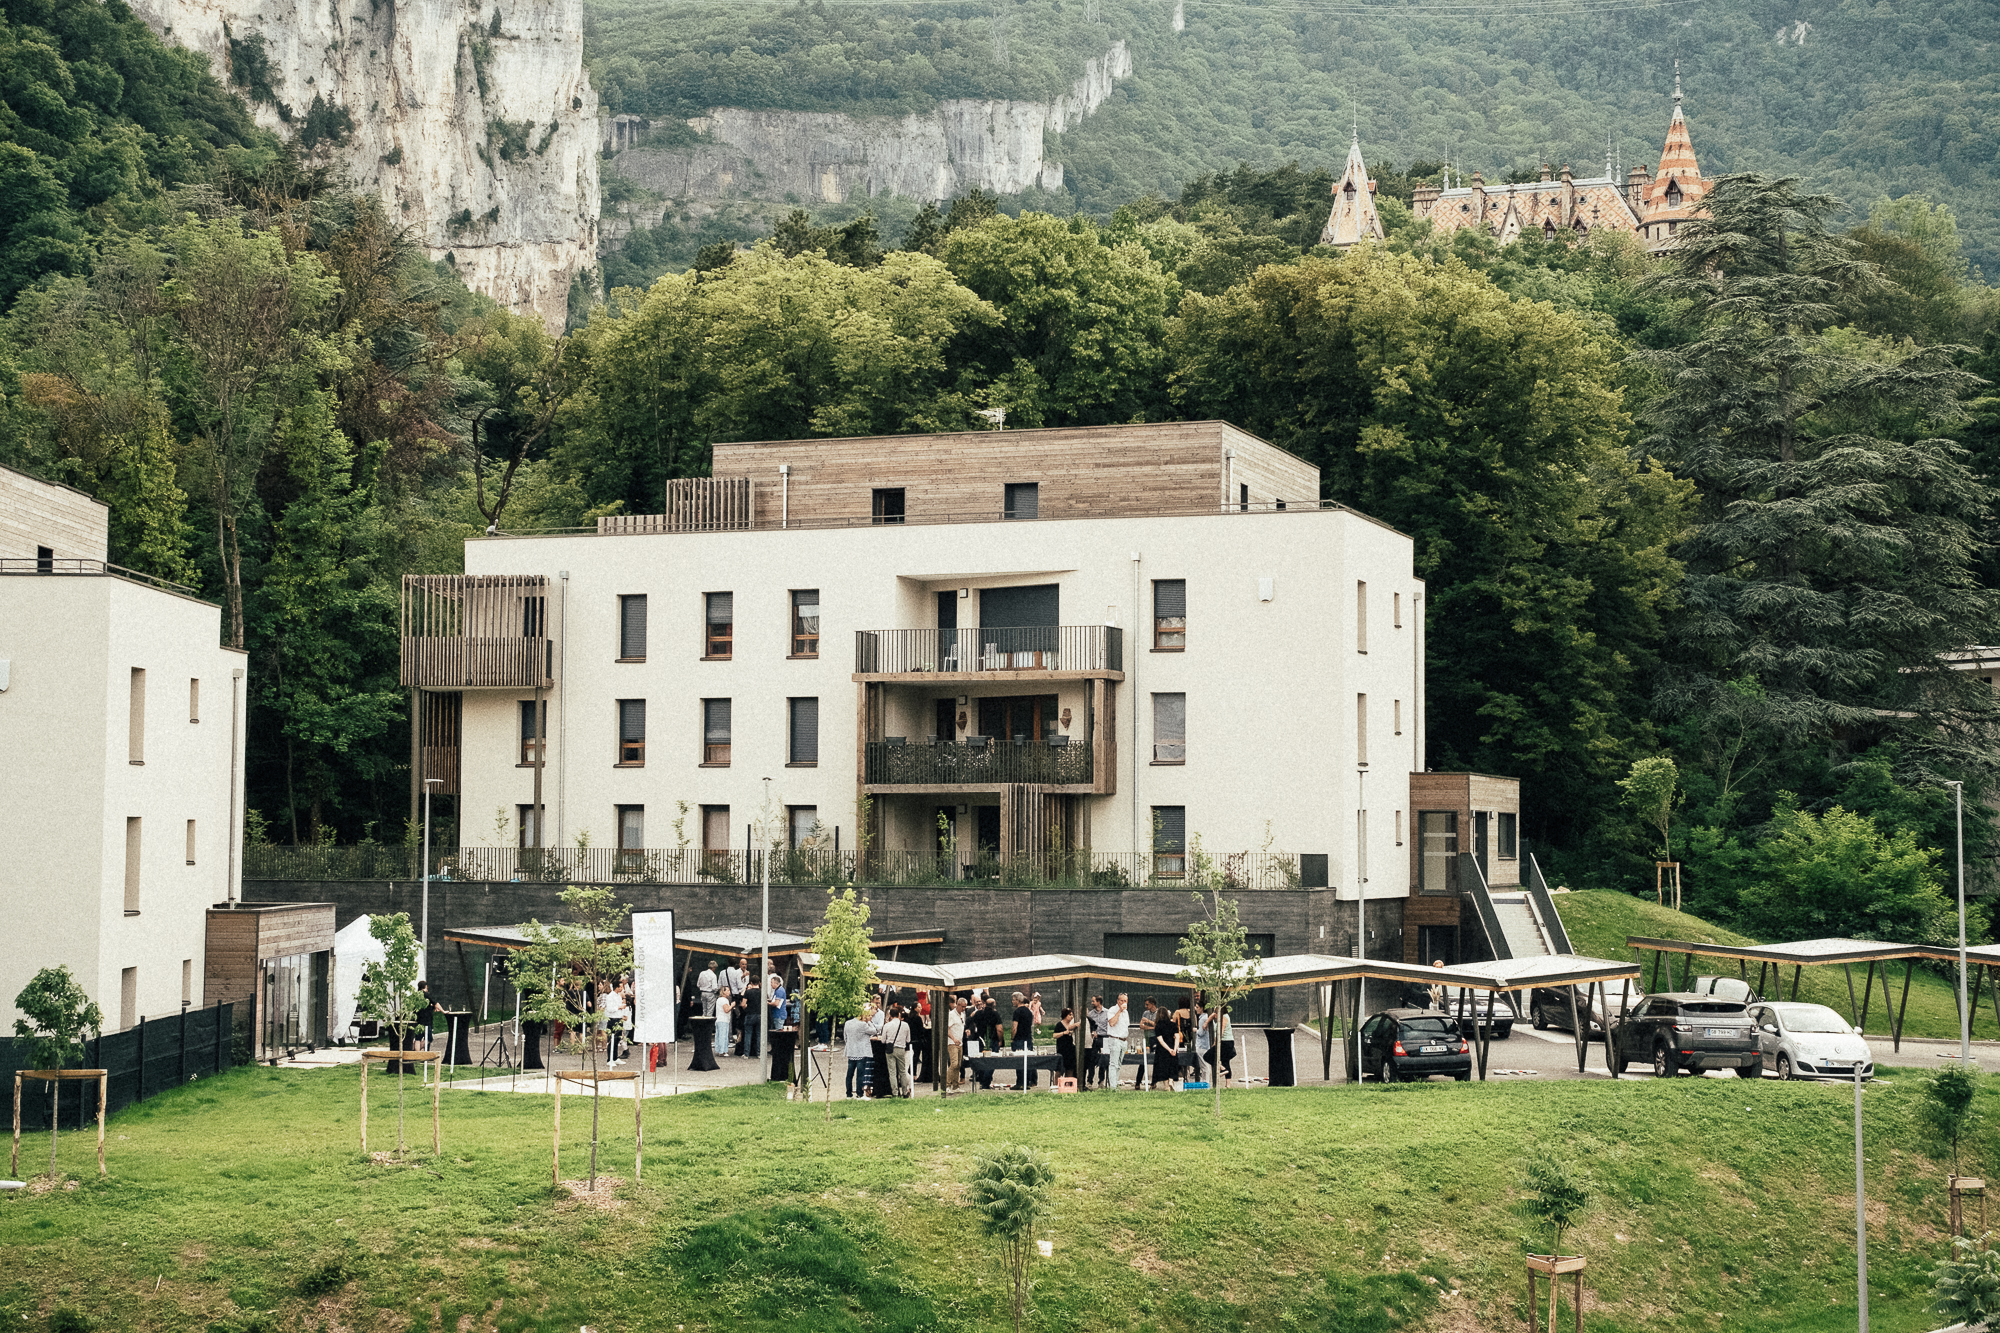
(1802, 1040)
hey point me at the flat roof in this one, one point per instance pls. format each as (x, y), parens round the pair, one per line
(1281, 970)
(723, 940)
(1803, 953)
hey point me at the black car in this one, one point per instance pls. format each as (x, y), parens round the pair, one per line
(1400, 1045)
(1549, 1007)
(1686, 1032)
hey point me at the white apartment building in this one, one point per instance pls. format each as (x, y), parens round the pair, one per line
(1089, 644)
(122, 725)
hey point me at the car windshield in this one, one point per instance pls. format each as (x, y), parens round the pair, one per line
(1813, 1018)
(1712, 1009)
(1426, 1029)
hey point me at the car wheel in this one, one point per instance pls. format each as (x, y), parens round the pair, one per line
(1391, 1074)
(1751, 1071)
(1541, 1020)
(1614, 1056)
(1664, 1064)
(1465, 1077)
(1785, 1070)
(1506, 1031)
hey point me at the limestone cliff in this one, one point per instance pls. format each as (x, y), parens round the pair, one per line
(474, 119)
(995, 146)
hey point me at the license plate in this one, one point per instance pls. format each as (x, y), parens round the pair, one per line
(1430, 1050)
(1724, 1032)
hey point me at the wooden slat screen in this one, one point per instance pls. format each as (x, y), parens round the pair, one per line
(470, 630)
(706, 504)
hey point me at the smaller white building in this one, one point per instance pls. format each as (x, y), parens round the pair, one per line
(121, 720)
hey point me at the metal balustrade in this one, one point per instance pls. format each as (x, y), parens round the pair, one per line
(977, 763)
(894, 652)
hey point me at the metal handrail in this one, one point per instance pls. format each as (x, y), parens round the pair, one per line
(1010, 648)
(28, 564)
(999, 760)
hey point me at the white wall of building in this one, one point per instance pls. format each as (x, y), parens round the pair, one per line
(1272, 685)
(68, 786)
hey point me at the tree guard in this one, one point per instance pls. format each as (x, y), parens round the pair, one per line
(103, 1080)
(437, 1089)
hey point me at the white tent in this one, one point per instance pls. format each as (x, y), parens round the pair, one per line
(353, 949)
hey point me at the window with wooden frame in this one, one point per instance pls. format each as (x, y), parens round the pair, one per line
(632, 628)
(1169, 615)
(888, 504)
(1170, 728)
(1437, 851)
(805, 622)
(1170, 840)
(532, 736)
(631, 836)
(715, 733)
(1510, 836)
(631, 733)
(719, 626)
(715, 834)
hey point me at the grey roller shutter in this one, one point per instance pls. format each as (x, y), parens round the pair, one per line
(1171, 823)
(715, 721)
(1169, 597)
(805, 731)
(631, 719)
(632, 626)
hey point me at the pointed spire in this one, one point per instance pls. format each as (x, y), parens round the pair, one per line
(1677, 88)
(1353, 218)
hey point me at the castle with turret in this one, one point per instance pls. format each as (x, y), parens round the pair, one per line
(1649, 206)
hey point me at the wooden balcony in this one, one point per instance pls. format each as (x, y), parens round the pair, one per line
(891, 766)
(476, 631)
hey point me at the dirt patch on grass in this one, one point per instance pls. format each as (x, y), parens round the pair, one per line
(47, 1185)
(478, 1243)
(1141, 1258)
(602, 1198)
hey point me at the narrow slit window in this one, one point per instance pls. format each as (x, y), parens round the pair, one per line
(532, 736)
(1169, 613)
(1361, 729)
(135, 718)
(1399, 828)
(719, 631)
(1360, 616)
(632, 733)
(190, 842)
(1396, 716)
(805, 622)
(632, 628)
(1510, 836)
(194, 698)
(1243, 498)
(1396, 610)
(134, 829)
(715, 731)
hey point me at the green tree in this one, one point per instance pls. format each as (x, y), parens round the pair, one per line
(1945, 1113)
(1556, 1195)
(1217, 957)
(844, 965)
(1838, 874)
(1652, 790)
(1494, 432)
(584, 961)
(1082, 323)
(57, 1016)
(388, 992)
(1010, 1189)
(1913, 245)
(1830, 561)
(1965, 1288)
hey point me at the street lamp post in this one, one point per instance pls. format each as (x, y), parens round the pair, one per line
(1964, 1012)
(764, 953)
(1860, 1211)
(424, 921)
(1360, 912)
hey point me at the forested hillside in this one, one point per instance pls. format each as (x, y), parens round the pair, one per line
(1862, 99)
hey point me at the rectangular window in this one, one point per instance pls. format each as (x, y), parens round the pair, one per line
(194, 698)
(1360, 616)
(888, 507)
(800, 820)
(805, 622)
(1399, 828)
(1437, 851)
(534, 617)
(803, 730)
(1361, 729)
(1023, 499)
(128, 997)
(1396, 605)
(719, 629)
(632, 732)
(532, 736)
(1361, 845)
(1243, 497)
(715, 732)
(715, 828)
(1170, 613)
(132, 831)
(1170, 840)
(190, 842)
(45, 559)
(1169, 728)
(187, 982)
(1396, 715)
(632, 628)
(1510, 836)
(631, 827)
(524, 820)
(135, 718)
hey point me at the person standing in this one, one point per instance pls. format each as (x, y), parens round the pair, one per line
(775, 1007)
(1166, 1050)
(1035, 1004)
(615, 1012)
(1097, 1017)
(736, 980)
(1149, 1019)
(1117, 1029)
(750, 1018)
(1066, 1043)
(986, 1031)
(1227, 1047)
(896, 1040)
(1201, 1050)
(426, 1013)
(1024, 1038)
(705, 987)
(854, 1037)
(725, 1014)
(918, 1017)
(954, 1044)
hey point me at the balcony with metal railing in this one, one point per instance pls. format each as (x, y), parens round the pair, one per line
(1038, 651)
(978, 763)
(70, 565)
(473, 631)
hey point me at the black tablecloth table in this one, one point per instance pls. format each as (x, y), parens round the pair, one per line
(989, 1065)
(458, 1036)
(1280, 1068)
(704, 1046)
(531, 1044)
(783, 1042)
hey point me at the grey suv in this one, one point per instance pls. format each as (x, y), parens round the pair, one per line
(1686, 1032)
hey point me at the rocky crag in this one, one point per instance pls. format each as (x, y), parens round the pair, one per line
(824, 157)
(474, 119)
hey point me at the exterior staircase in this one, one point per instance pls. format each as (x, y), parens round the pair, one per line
(1520, 927)
(1519, 924)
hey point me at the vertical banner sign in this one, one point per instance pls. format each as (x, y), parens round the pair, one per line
(653, 976)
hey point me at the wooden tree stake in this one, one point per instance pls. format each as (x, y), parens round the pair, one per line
(364, 1103)
(14, 1163)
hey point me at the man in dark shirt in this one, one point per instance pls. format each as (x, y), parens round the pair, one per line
(1024, 1034)
(985, 1027)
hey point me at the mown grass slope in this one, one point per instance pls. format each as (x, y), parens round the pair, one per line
(243, 1203)
(1599, 921)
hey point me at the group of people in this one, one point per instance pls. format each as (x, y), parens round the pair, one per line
(888, 1044)
(742, 1010)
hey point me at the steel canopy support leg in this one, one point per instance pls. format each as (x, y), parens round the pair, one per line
(1853, 1005)
(1868, 991)
(1896, 1034)
(1577, 1028)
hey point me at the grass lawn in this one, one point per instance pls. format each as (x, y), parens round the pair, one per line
(243, 1202)
(1599, 920)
